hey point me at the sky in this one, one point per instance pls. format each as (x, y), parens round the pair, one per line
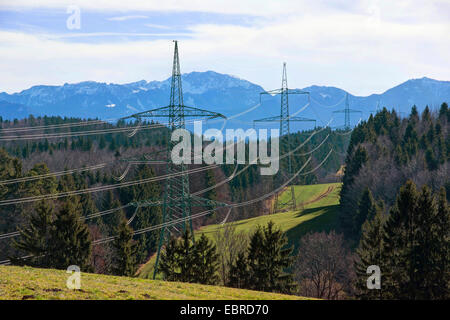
(363, 47)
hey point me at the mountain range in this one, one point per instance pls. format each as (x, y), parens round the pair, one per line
(217, 92)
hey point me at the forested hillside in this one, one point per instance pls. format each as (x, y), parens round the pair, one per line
(74, 185)
(385, 151)
(69, 154)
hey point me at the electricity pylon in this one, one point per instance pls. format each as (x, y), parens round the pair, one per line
(177, 201)
(346, 113)
(285, 119)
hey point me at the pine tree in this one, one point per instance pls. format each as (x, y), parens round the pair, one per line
(184, 261)
(398, 240)
(441, 287)
(210, 181)
(416, 246)
(432, 162)
(169, 265)
(424, 246)
(111, 221)
(443, 111)
(426, 115)
(186, 257)
(35, 237)
(354, 162)
(70, 242)
(102, 143)
(205, 262)
(367, 209)
(410, 139)
(441, 262)
(370, 252)
(414, 116)
(177, 261)
(148, 216)
(10, 168)
(239, 272)
(88, 204)
(124, 260)
(255, 256)
(268, 259)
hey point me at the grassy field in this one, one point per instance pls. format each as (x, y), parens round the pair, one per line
(318, 213)
(19, 283)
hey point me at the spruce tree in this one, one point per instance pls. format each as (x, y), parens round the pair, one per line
(370, 252)
(441, 286)
(255, 255)
(416, 246)
(367, 209)
(210, 181)
(124, 258)
(35, 237)
(239, 273)
(169, 265)
(177, 261)
(354, 163)
(148, 216)
(206, 262)
(186, 257)
(398, 241)
(70, 241)
(268, 260)
(184, 261)
(444, 112)
(113, 220)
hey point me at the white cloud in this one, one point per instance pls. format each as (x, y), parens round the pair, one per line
(114, 34)
(364, 47)
(157, 26)
(417, 10)
(124, 18)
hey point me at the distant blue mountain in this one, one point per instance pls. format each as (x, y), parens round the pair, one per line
(217, 92)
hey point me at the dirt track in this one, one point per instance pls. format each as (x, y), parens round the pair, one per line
(300, 205)
(319, 197)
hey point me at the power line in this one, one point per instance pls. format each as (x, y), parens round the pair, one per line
(77, 134)
(101, 188)
(232, 176)
(198, 215)
(57, 126)
(329, 106)
(54, 174)
(194, 216)
(285, 119)
(130, 183)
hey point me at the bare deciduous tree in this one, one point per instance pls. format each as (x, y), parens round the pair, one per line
(229, 244)
(324, 267)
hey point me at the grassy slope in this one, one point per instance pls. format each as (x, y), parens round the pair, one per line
(316, 216)
(33, 283)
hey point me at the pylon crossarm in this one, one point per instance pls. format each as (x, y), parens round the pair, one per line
(348, 110)
(281, 90)
(166, 112)
(143, 160)
(204, 202)
(279, 119)
(296, 91)
(196, 201)
(146, 203)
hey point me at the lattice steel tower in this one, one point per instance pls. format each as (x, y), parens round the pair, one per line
(285, 119)
(346, 113)
(177, 201)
